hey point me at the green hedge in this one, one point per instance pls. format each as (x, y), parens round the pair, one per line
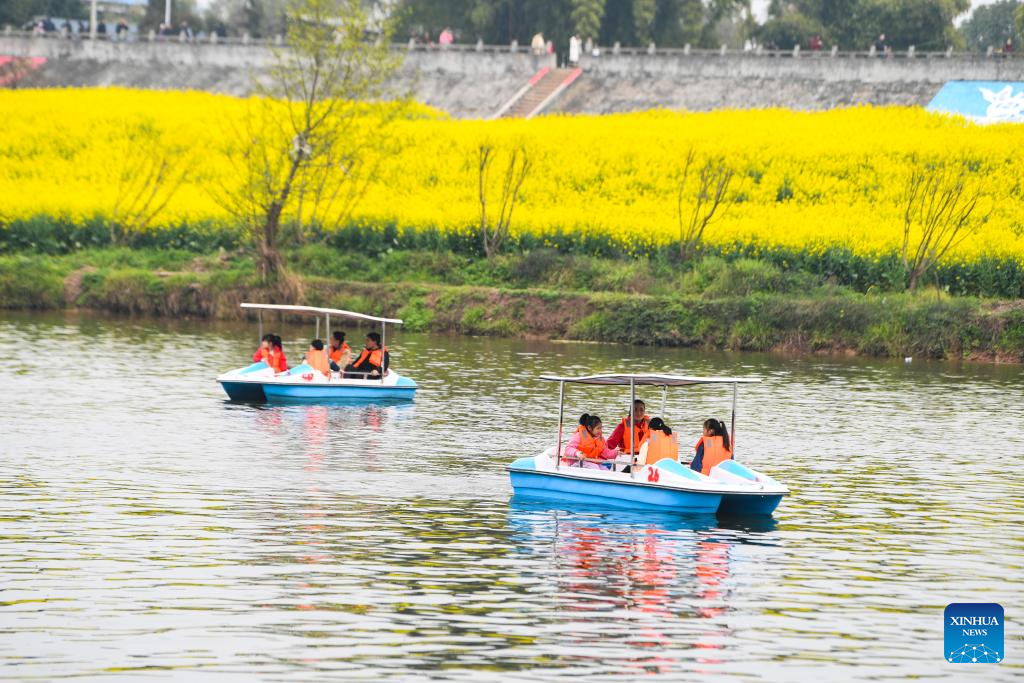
(46, 235)
(987, 277)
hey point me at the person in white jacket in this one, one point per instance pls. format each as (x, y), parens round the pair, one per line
(575, 46)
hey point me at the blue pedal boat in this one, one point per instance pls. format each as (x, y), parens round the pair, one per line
(258, 383)
(731, 489)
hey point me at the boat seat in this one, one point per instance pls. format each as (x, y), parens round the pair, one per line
(255, 367)
(732, 471)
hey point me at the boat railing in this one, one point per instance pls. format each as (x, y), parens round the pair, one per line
(359, 375)
(600, 461)
(339, 375)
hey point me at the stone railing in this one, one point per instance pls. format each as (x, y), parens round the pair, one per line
(515, 48)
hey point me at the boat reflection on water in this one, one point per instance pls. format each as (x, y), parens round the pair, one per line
(340, 420)
(653, 573)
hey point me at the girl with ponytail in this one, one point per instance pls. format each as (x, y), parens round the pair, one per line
(712, 448)
(587, 444)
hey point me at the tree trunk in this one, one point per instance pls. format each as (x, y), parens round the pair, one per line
(271, 263)
(914, 275)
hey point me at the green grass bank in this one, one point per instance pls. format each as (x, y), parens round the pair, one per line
(989, 277)
(743, 304)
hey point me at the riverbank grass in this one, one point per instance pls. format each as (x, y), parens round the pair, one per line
(739, 304)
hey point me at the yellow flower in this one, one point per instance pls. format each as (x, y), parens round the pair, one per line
(809, 180)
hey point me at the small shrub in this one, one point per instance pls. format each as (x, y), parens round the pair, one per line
(751, 335)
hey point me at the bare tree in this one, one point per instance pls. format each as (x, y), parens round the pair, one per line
(939, 213)
(311, 130)
(151, 171)
(696, 213)
(494, 230)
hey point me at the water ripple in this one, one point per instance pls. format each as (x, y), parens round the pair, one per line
(150, 529)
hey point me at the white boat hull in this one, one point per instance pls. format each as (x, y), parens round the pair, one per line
(303, 384)
(666, 485)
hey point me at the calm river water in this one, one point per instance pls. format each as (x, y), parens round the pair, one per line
(151, 529)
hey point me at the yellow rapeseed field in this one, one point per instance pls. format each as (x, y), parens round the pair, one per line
(805, 180)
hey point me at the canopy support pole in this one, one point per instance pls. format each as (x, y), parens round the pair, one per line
(632, 428)
(317, 328)
(664, 400)
(732, 426)
(383, 344)
(259, 314)
(561, 413)
(327, 335)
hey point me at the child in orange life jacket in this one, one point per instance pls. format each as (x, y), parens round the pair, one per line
(341, 354)
(263, 352)
(588, 442)
(714, 447)
(277, 359)
(317, 359)
(661, 444)
(270, 352)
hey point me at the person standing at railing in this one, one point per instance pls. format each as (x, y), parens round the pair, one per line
(446, 38)
(880, 45)
(537, 44)
(575, 47)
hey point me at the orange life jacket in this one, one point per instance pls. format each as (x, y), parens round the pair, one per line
(336, 354)
(714, 453)
(318, 361)
(376, 357)
(276, 360)
(590, 446)
(643, 432)
(661, 446)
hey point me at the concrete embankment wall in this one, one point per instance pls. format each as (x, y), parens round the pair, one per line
(703, 82)
(463, 82)
(471, 83)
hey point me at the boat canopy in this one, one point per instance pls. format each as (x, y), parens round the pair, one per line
(322, 311)
(649, 379)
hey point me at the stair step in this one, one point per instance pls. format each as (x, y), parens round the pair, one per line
(536, 95)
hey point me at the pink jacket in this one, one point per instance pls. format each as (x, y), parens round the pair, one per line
(572, 449)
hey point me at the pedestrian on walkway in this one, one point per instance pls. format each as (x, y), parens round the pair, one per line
(537, 44)
(575, 46)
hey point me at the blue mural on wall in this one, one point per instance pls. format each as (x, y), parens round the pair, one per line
(981, 101)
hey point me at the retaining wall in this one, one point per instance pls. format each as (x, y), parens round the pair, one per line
(464, 82)
(617, 83)
(471, 82)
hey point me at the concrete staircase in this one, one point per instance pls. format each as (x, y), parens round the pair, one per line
(541, 90)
